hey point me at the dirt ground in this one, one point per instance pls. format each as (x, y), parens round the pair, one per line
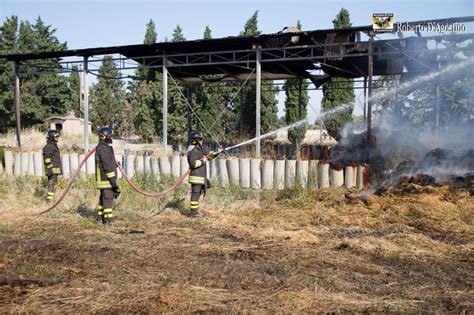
(275, 252)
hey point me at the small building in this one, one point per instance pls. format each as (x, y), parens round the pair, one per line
(68, 125)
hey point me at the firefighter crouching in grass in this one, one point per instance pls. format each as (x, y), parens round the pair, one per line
(52, 162)
(198, 177)
(106, 176)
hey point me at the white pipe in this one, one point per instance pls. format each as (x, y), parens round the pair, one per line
(255, 173)
(90, 164)
(155, 167)
(323, 174)
(84, 167)
(233, 171)
(17, 164)
(9, 161)
(139, 164)
(222, 172)
(184, 166)
(244, 173)
(290, 173)
(336, 176)
(147, 164)
(279, 174)
(24, 163)
(350, 176)
(65, 165)
(31, 164)
(130, 165)
(73, 161)
(175, 165)
(362, 174)
(38, 161)
(118, 158)
(267, 174)
(165, 166)
(313, 174)
(302, 173)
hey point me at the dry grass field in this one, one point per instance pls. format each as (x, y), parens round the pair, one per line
(292, 251)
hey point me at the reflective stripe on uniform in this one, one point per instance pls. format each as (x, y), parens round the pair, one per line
(196, 180)
(108, 213)
(47, 160)
(99, 210)
(50, 193)
(101, 184)
(56, 170)
(110, 174)
(197, 164)
(49, 166)
(193, 206)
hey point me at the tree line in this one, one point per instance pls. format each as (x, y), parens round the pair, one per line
(134, 106)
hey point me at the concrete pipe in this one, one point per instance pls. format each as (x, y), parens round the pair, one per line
(336, 175)
(244, 173)
(279, 175)
(255, 173)
(323, 175)
(130, 165)
(24, 163)
(65, 165)
(350, 176)
(362, 176)
(90, 164)
(84, 167)
(183, 166)
(233, 171)
(17, 164)
(290, 173)
(267, 174)
(313, 174)
(222, 172)
(302, 173)
(147, 164)
(73, 162)
(38, 161)
(175, 165)
(118, 158)
(213, 169)
(139, 164)
(165, 165)
(155, 167)
(9, 161)
(31, 164)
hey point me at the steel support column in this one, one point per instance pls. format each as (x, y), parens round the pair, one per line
(369, 104)
(86, 105)
(258, 86)
(165, 103)
(17, 105)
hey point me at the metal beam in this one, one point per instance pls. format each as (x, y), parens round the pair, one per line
(17, 106)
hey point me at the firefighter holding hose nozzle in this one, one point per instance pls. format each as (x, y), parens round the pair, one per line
(197, 160)
(106, 176)
(52, 162)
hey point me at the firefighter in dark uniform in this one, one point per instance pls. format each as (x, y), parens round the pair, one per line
(52, 162)
(106, 176)
(197, 163)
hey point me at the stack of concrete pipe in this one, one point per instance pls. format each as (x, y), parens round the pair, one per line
(245, 172)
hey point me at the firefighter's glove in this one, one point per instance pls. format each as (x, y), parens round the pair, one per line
(116, 191)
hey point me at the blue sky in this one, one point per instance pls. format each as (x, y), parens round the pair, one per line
(100, 23)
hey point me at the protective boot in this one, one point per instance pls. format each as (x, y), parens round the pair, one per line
(195, 213)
